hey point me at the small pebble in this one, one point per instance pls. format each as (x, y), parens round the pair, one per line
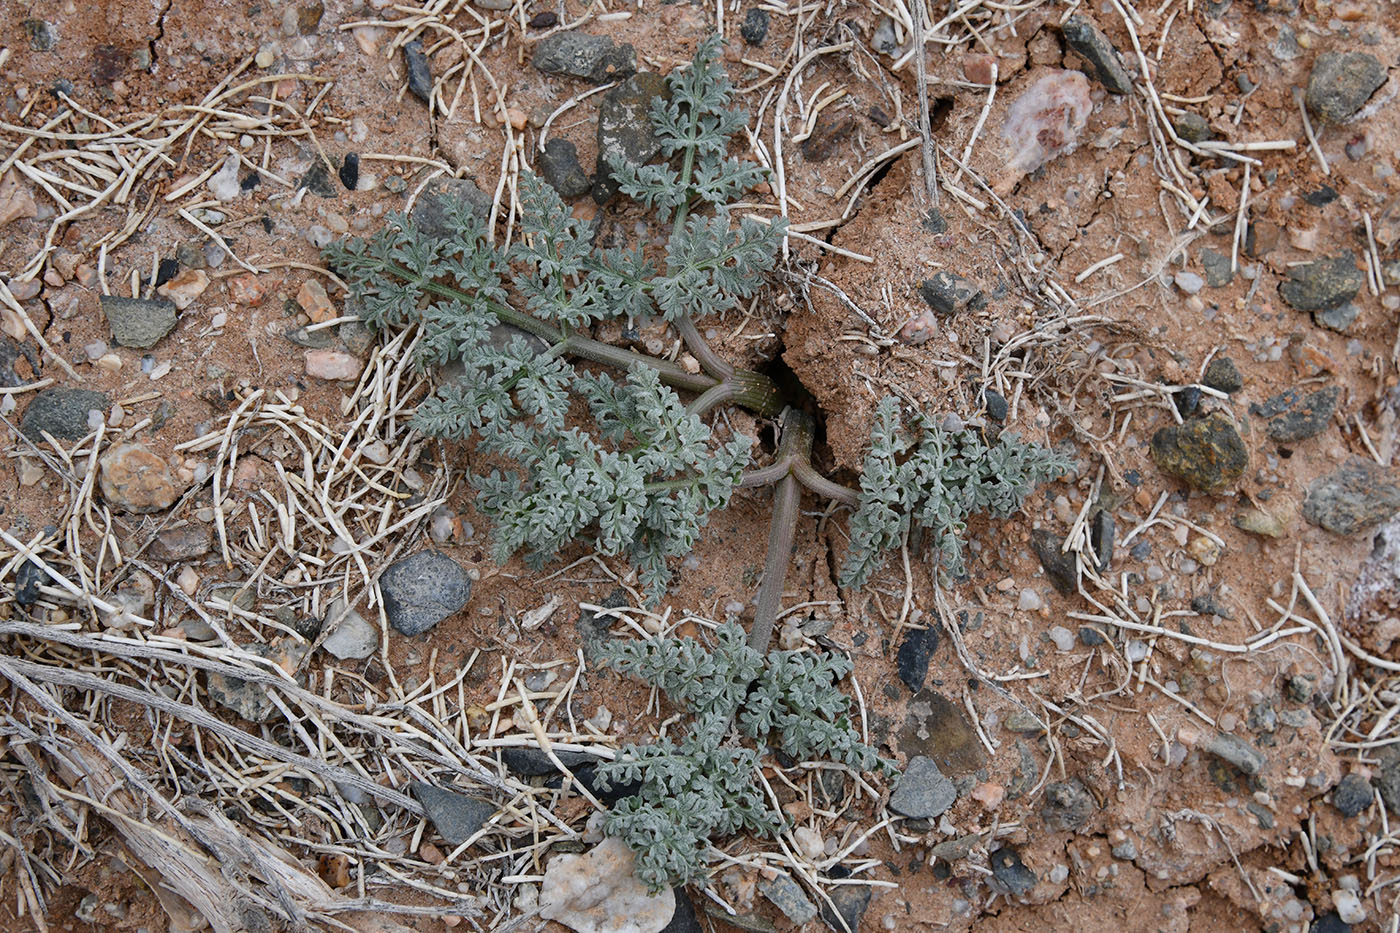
(188, 580)
(1030, 601)
(1189, 282)
(1062, 637)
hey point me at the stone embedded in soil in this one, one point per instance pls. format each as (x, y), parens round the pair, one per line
(139, 323)
(349, 171)
(457, 817)
(183, 289)
(1294, 416)
(1217, 268)
(16, 201)
(1046, 120)
(996, 405)
(420, 77)
(182, 542)
(561, 170)
(1237, 752)
(1352, 795)
(1329, 923)
(577, 54)
(421, 590)
(356, 335)
(593, 627)
(333, 365)
(1068, 805)
(1387, 779)
(353, 638)
(1102, 530)
(223, 184)
(1339, 318)
(1011, 872)
(28, 579)
(317, 180)
(532, 762)
(923, 791)
(1062, 569)
(62, 412)
(788, 897)
(1086, 39)
(441, 198)
(1206, 453)
(936, 728)
(624, 128)
(247, 699)
(315, 302)
(913, 656)
(1323, 283)
(1341, 83)
(1192, 127)
(1356, 496)
(850, 900)
(948, 294)
(598, 892)
(755, 27)
(134, 479)
(1223, 375)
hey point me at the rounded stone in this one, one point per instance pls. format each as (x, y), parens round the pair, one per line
(137, 480)
(422, 590)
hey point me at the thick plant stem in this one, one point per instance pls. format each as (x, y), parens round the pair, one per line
(795, 446)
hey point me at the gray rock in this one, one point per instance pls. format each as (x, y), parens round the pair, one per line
(788, 897)
(422, 590)
(1192, 127)
(911, 661)
(1068, 805)
(455, 816)
(138, 322)
(937, 728)
(1023, 722)
(755, 27)
(923, 791)
(1125, 850)
(1339, 318)
(1236, 751)
(1216, 267)
(181, 542)
(533, 762)
(1358, 495)
(595, 58)
(42, 35)
(1062, 569)
(593, 627)
(561, 170)
(1387, 781)
(62, 412)
(1352, 795)
(624, 128)
(420, 77)
(997, 406)
(1294, 416)
(1323, 283)
(1223, 375)
(885, 40)
(947, 294)
(851, 901)
(1207, 453)
(353, 638)
(1086, 39)
(1090, 637)
(1011, 872)
(321, 339)
(247, 699)
(317, 180)
(1341, 83)
(443, 198)
(356, 336)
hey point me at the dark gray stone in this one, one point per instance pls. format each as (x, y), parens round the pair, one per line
(356, 336)
(422, 590)
(1187, 399)
(28, 579)
(317, 180)
(1192, 127)
(1357, 496)
(1329, 923)
(1090, 637)
(1339, 318)
(420, 78)
(1068, 805)
(755, 27)
(787, 896)
(1352, 795)
(947, 294)
(1207, 453)
(138, 322)
(1086, 39)
(456, 816)
(923, 791)
(851, 901)
(1223, 375)
(533, 762)
(1323, 283)
(625, 130)
(10, 353)
(1101, 534)
(349, 171)
(1294, 416)
(441, 198)
(1236, 751)
(1011, 872)
(1387, 781)
(1062, 569)
(1341, 83)
(595, 58)
(913, 656)
(1217, 268)
(684, 919)
(996, 405)
(560, 168)
(310, 339)
(62, 412)
(249, 699)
